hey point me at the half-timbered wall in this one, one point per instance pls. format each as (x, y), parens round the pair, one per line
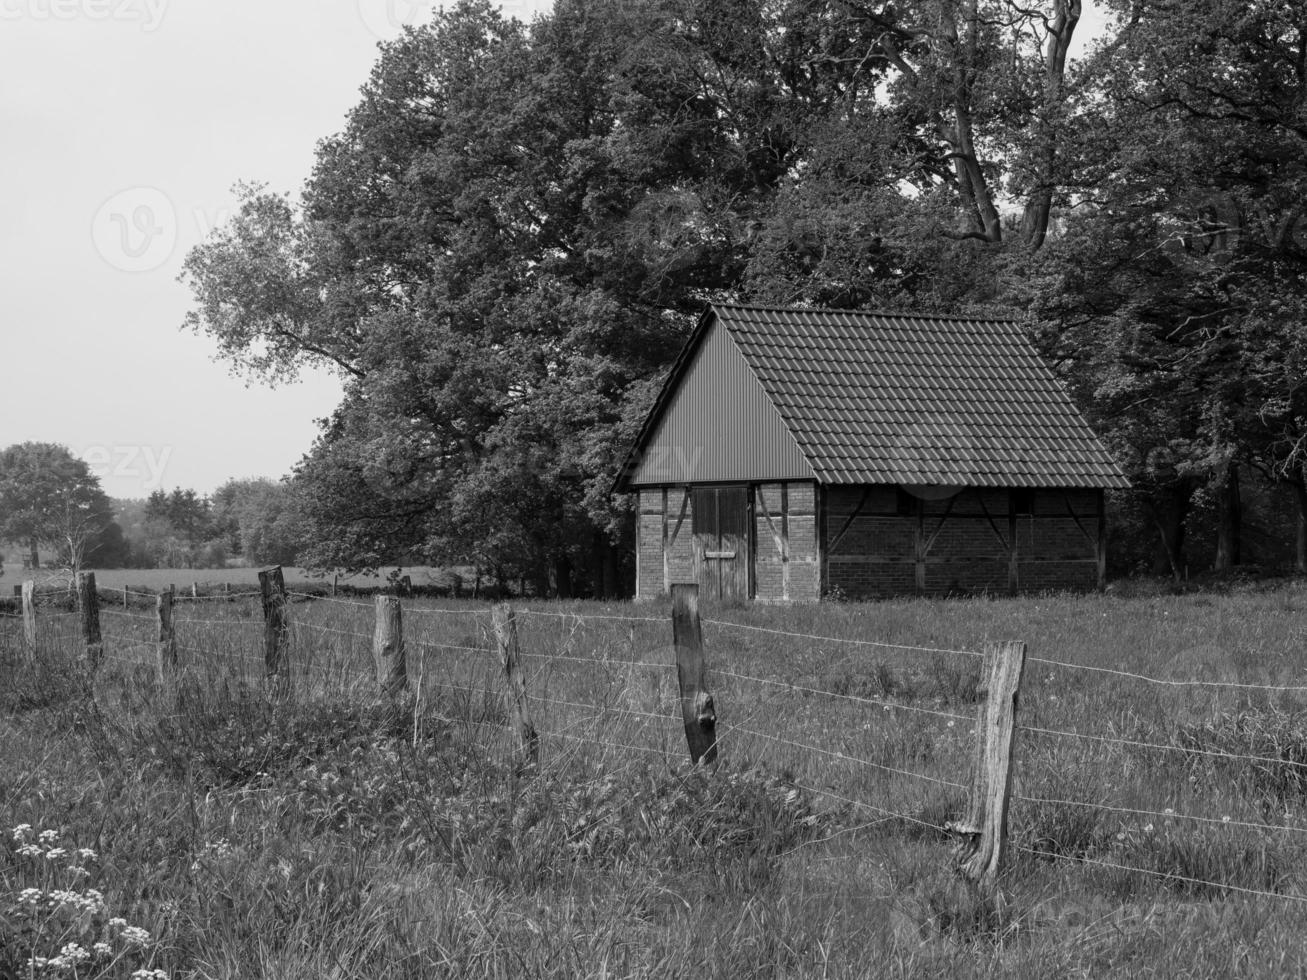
(880, 541)
(872, 541)
(665, 541)
(785, 536)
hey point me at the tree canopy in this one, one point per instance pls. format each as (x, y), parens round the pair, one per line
(50, 497)
(503, 248)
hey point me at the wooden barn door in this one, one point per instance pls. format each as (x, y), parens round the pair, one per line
(721, 541)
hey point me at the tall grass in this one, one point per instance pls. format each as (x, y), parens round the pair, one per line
(335, 834)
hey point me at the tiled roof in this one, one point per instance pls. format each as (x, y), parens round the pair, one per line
(912, 399)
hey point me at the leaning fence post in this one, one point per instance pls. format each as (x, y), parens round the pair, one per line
(167, 639)
(983, 847)
(276, 629)
(505, 625)
(697, 708)
(29, 616)
(88, 602)
(388, 651)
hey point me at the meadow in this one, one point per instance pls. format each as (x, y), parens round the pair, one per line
(1157, 819)
(210, 579)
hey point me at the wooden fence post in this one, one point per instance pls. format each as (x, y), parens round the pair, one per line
(88, 603)
(505, 624)
(697, 708)
(388, 651)
(981, 851)
(167, 639)
(276, 629)
(29, 616)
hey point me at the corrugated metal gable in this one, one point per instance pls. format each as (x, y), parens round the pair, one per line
(718, 425)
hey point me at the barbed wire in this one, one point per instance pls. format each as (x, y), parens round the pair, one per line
(1166, 875)
(839, 639)
(1165, 682)
(1162, 747)
(582, 617)
(595, 662)
(835, 754)
(1164, 814)
(785, 685)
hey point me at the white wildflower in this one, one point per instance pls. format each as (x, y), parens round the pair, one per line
(73, 953)
(77, 871)
(48, 836)
(30, 851)
(86, 854)
(117, 923)
(1225, 820)
(22, 832)
(135, 935)
(102, 949)
(1148, 828)
(55, 853)
(30, 896)
(149, 975)
(1170, 812)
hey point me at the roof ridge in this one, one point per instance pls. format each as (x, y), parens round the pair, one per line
(770, 308)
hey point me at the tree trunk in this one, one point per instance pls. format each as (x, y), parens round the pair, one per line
(612, 590)
(1169, 510)
(541, 579)
(1229, 522)
(1300, 554)
(33, 556)
(563, 577)
(1039, 208)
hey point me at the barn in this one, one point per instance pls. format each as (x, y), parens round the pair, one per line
(796, 453)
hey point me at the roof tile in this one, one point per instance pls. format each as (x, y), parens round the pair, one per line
(873, 398)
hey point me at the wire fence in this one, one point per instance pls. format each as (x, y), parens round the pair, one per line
(607, 680)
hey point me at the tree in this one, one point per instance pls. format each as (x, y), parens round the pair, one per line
(1180, 283)
(50, 497)
(260, 520)
(500, 255)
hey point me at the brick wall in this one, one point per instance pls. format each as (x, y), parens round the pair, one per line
(658, 567)
(785, 537)
(649, 545)
(968, 542)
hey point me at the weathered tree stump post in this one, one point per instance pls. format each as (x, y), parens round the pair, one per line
(88, 604)
(29, 616)
(124, 598)
(276, 630)
(195, 590)
(388, 651)
(983, 830)
(697, 709)
(167, 639)
(505, 625)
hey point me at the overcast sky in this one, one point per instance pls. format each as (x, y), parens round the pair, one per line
(123, 126)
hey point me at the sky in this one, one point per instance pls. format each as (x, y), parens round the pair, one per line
(125, 125)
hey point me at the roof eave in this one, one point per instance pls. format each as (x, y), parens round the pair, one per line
(622, 483)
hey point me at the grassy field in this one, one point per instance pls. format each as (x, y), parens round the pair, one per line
(155, 579)
(1158, 829)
